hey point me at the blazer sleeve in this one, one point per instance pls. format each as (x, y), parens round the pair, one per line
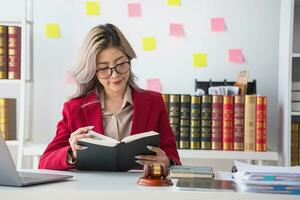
(167, 138)
(55, 155)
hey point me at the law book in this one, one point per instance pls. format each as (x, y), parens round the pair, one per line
(184, 171)
(107, 154)
(174, 116)
(249, 123)
(295, 144)
(216, 125)
(261, 124)
(227, 123)
(195, 123)
(3, 52)
(4, 118)
(238, 122)
(206, 112)
(185, 113)
(14, 52)
(166, 98)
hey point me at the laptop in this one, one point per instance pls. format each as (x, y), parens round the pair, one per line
(204, 184)
(9, 176)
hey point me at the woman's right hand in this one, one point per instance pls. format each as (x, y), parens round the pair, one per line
(75, 136)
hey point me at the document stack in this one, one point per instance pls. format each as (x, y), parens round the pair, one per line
(267, 179)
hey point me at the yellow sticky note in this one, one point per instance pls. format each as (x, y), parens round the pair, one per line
(174, 2)
(92, 8)
(200, 60)
(52, 31)
(149, 43)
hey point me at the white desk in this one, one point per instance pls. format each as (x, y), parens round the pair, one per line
(121, 186)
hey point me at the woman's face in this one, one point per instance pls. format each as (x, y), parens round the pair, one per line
(113, 70)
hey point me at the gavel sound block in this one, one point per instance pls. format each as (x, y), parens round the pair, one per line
(155, 175)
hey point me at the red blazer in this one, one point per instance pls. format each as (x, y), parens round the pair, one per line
(149, 114)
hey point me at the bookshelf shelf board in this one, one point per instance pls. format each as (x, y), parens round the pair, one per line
(11, 22)
(296, 55)
(214, 154)
(10, 88)
(34, 149)
(296, 113)
(12, 142)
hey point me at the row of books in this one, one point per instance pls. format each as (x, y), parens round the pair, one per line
(8, 118)
(295, 147)
(296, 96)
(10, 52)
(214, 122)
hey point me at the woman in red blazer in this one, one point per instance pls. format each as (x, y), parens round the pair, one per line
(106, 89)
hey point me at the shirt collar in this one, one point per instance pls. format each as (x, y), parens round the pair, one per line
(126, 100)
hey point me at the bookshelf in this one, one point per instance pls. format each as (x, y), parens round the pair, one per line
(16, 89)
(289, 69)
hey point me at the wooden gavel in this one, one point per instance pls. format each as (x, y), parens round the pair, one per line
(155, 171)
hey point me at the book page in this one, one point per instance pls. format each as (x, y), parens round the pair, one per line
(138, 136)
(99, 139)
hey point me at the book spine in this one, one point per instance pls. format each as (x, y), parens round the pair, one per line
(3, 52)
(4, 118)
(261, 123)
(14, 52)
(206, 111)
(185, 112)
(174, 116)
(195, 139)
(238, 122)
(295, 144)
(249, 125)
(227, 122)
(216, 125)
(166, 98)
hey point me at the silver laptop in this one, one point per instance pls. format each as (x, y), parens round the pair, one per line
(10, 177)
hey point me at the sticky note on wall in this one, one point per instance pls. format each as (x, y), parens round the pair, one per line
(174, 2)
(200, 60)
(154, 85)
(149, 43)
(176, 30)
(134, 10)
(52, 30)
(92, 8)
(218, 25)
(235, 56)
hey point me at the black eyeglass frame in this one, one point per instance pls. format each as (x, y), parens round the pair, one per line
(115, 68)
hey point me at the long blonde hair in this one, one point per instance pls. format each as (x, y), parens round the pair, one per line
(99, 38)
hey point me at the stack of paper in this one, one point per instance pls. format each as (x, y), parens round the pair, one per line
(267, 178)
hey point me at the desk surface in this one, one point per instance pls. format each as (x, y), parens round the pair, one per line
(106, 185)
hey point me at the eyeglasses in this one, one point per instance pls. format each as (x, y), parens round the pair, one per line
(106, 72)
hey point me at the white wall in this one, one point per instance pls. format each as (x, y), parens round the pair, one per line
(252, 25)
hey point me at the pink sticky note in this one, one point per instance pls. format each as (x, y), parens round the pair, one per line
(235, 56)
(218, 24)
(134, 10)
(69, 78)
(154, 85)
(176, 30)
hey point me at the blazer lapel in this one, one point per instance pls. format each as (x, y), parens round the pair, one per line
(141, 109)
(91, 108)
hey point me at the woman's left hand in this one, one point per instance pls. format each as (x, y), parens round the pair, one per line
(160, 157)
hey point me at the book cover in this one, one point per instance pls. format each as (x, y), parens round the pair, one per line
(174, 116)
(261, 124)
(249, 123)
(3, 52)
(166, 98)
(195, 124)
(238, 122)
(227, 122)
(185, 112)
(14, 52)
(4, 118)
(216, 125)
(107, 154)
(206, 112)
(182, 171)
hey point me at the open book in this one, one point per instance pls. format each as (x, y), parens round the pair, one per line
(108, 154)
